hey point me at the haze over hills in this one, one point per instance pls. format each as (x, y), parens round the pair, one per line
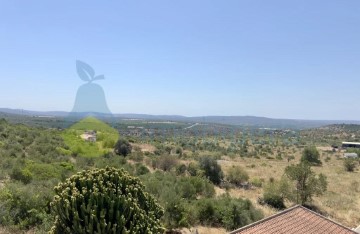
(228, 120)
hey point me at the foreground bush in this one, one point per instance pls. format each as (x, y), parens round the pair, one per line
(24, 206)
(176, 194)
(104, 201)
(231, 213)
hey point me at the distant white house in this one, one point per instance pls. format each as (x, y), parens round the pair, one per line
(89, 136)
(350, 155)
(350, 145)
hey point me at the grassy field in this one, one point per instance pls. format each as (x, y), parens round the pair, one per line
(340, 202)
(106, 138)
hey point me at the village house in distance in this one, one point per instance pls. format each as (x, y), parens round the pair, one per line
(89, 136)
(350, 145)
(346, 145)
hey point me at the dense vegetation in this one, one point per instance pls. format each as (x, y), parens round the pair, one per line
(35, 160)
(195, 174)
(106, 137)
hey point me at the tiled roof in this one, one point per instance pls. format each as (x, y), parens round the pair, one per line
(295, 220)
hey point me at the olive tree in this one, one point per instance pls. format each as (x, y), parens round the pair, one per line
(212, 169)
(306, 183)
(123, 147)
(311, 155)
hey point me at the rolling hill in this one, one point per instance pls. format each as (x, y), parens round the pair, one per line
(253, 121)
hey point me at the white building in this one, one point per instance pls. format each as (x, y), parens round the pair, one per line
(350, 155)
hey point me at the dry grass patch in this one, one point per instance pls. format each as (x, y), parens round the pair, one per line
(203, 230)
(341, 201)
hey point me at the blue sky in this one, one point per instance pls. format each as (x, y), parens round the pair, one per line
(282, 59)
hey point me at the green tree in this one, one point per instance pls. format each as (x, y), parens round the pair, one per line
(311, 155)
(123, 147)
(211, 169)
(104, 201)
(307, 184)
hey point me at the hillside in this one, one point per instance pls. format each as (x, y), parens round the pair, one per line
(35, 159)
(252, 121)
(106, 138)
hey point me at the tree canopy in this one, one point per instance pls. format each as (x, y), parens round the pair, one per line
(311, 155)
(211, 169)
(307, 183)
(123, 147)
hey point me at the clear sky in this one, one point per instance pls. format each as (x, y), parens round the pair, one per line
(282, 59)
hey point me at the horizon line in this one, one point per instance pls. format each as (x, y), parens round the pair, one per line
(184, 116)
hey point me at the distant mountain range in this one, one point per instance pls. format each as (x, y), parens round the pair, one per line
(252, 121)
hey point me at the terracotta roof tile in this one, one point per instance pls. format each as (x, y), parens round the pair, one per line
(295, 220)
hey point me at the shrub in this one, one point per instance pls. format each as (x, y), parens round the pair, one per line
(67, 165)
(177, 194)
(22, 175)
(194, 169)
(257, 182)
(225, 211)
(176, 215)
(192, 187)
(274, 200)
(181, 169)
(237, 175)
(140, 169)
(43, 171)
(207, 213)
(211, 169)
(350, 164)
(104, 201)
(24, 205)
(275, 193)
(137, 156)
(108, 143)
(166, 162)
